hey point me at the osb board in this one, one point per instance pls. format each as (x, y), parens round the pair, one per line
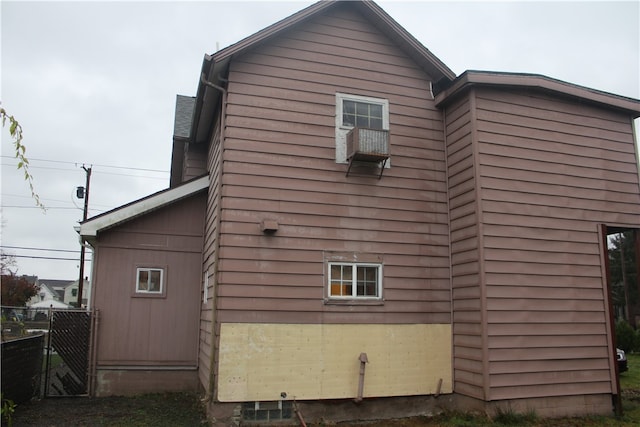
(260, 361)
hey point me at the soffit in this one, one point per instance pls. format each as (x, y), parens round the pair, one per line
(90, 228)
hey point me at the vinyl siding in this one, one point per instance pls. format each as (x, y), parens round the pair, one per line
(194, 162)
(468, 342)
(280, 164)
(551, 170)
(208, 336)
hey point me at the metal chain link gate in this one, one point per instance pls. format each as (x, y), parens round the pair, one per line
(68, 346)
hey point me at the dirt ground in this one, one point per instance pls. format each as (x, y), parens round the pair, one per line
(177, 409)
(149, 410)
(170, 410)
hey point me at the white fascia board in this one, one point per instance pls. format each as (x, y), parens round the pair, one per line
(90, 228)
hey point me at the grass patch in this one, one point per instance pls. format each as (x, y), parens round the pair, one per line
(630, 380)
(509, 417)
(161, 410)
(54, 361)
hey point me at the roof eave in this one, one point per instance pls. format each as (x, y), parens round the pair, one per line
(90, 228)
(214, 67)
(536, 81)
(412, 46)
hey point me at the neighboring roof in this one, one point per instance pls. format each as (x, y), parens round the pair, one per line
(536, 81)
(52, 284)
(90, 228)
(185, 106)
(44, 287)
(215, 66)
(184, 116)
(30, 279)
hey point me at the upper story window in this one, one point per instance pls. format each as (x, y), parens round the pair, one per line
(355, 281)
(149, 281)
(361, 114)
(358, 111)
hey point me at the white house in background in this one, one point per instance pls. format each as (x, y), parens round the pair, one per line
(71, 293)
(65, 291)
(46, 292)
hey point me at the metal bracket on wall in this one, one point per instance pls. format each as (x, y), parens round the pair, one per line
(382, 164)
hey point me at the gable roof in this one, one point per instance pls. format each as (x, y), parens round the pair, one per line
(90, 228)
(215, 66)
(472, 78)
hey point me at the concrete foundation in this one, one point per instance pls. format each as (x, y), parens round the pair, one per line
(127, 382)
(336, 411)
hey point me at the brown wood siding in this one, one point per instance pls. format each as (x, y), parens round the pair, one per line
(466, 292)
(146, 330)
(207, 311)
(194, 162)
(550, 171)
(280, 164)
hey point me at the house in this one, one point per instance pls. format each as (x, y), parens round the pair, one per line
(65, 291)
(48, 289)
(347, 219)
(71, 293)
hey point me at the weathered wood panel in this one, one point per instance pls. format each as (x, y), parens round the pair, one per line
(280, 164)
(550, 170)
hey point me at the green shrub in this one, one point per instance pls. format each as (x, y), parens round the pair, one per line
(7, 409)
(626, 337)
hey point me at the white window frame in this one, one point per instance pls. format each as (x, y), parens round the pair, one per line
(342, 130)
(354, 282)
(145, 292)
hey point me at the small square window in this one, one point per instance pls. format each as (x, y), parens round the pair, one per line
(149, 281)
(355, 281)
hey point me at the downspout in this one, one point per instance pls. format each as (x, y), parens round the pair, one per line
(216, 259)
(95, 324)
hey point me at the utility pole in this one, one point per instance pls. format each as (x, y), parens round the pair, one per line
(84, 218)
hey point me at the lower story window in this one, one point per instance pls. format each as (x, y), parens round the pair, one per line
(149, 281)
(355, 280)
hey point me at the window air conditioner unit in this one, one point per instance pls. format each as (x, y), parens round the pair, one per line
(367, 145)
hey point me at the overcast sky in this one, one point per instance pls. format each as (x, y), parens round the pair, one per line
(94, 83)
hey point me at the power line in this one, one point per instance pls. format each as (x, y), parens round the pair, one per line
(127, 174)
(38, 207)
(100, 172)
(53, 200)
(80, 163)
(49, 258)
(39, 249)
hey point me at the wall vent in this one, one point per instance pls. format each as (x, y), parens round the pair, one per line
(368, 145)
